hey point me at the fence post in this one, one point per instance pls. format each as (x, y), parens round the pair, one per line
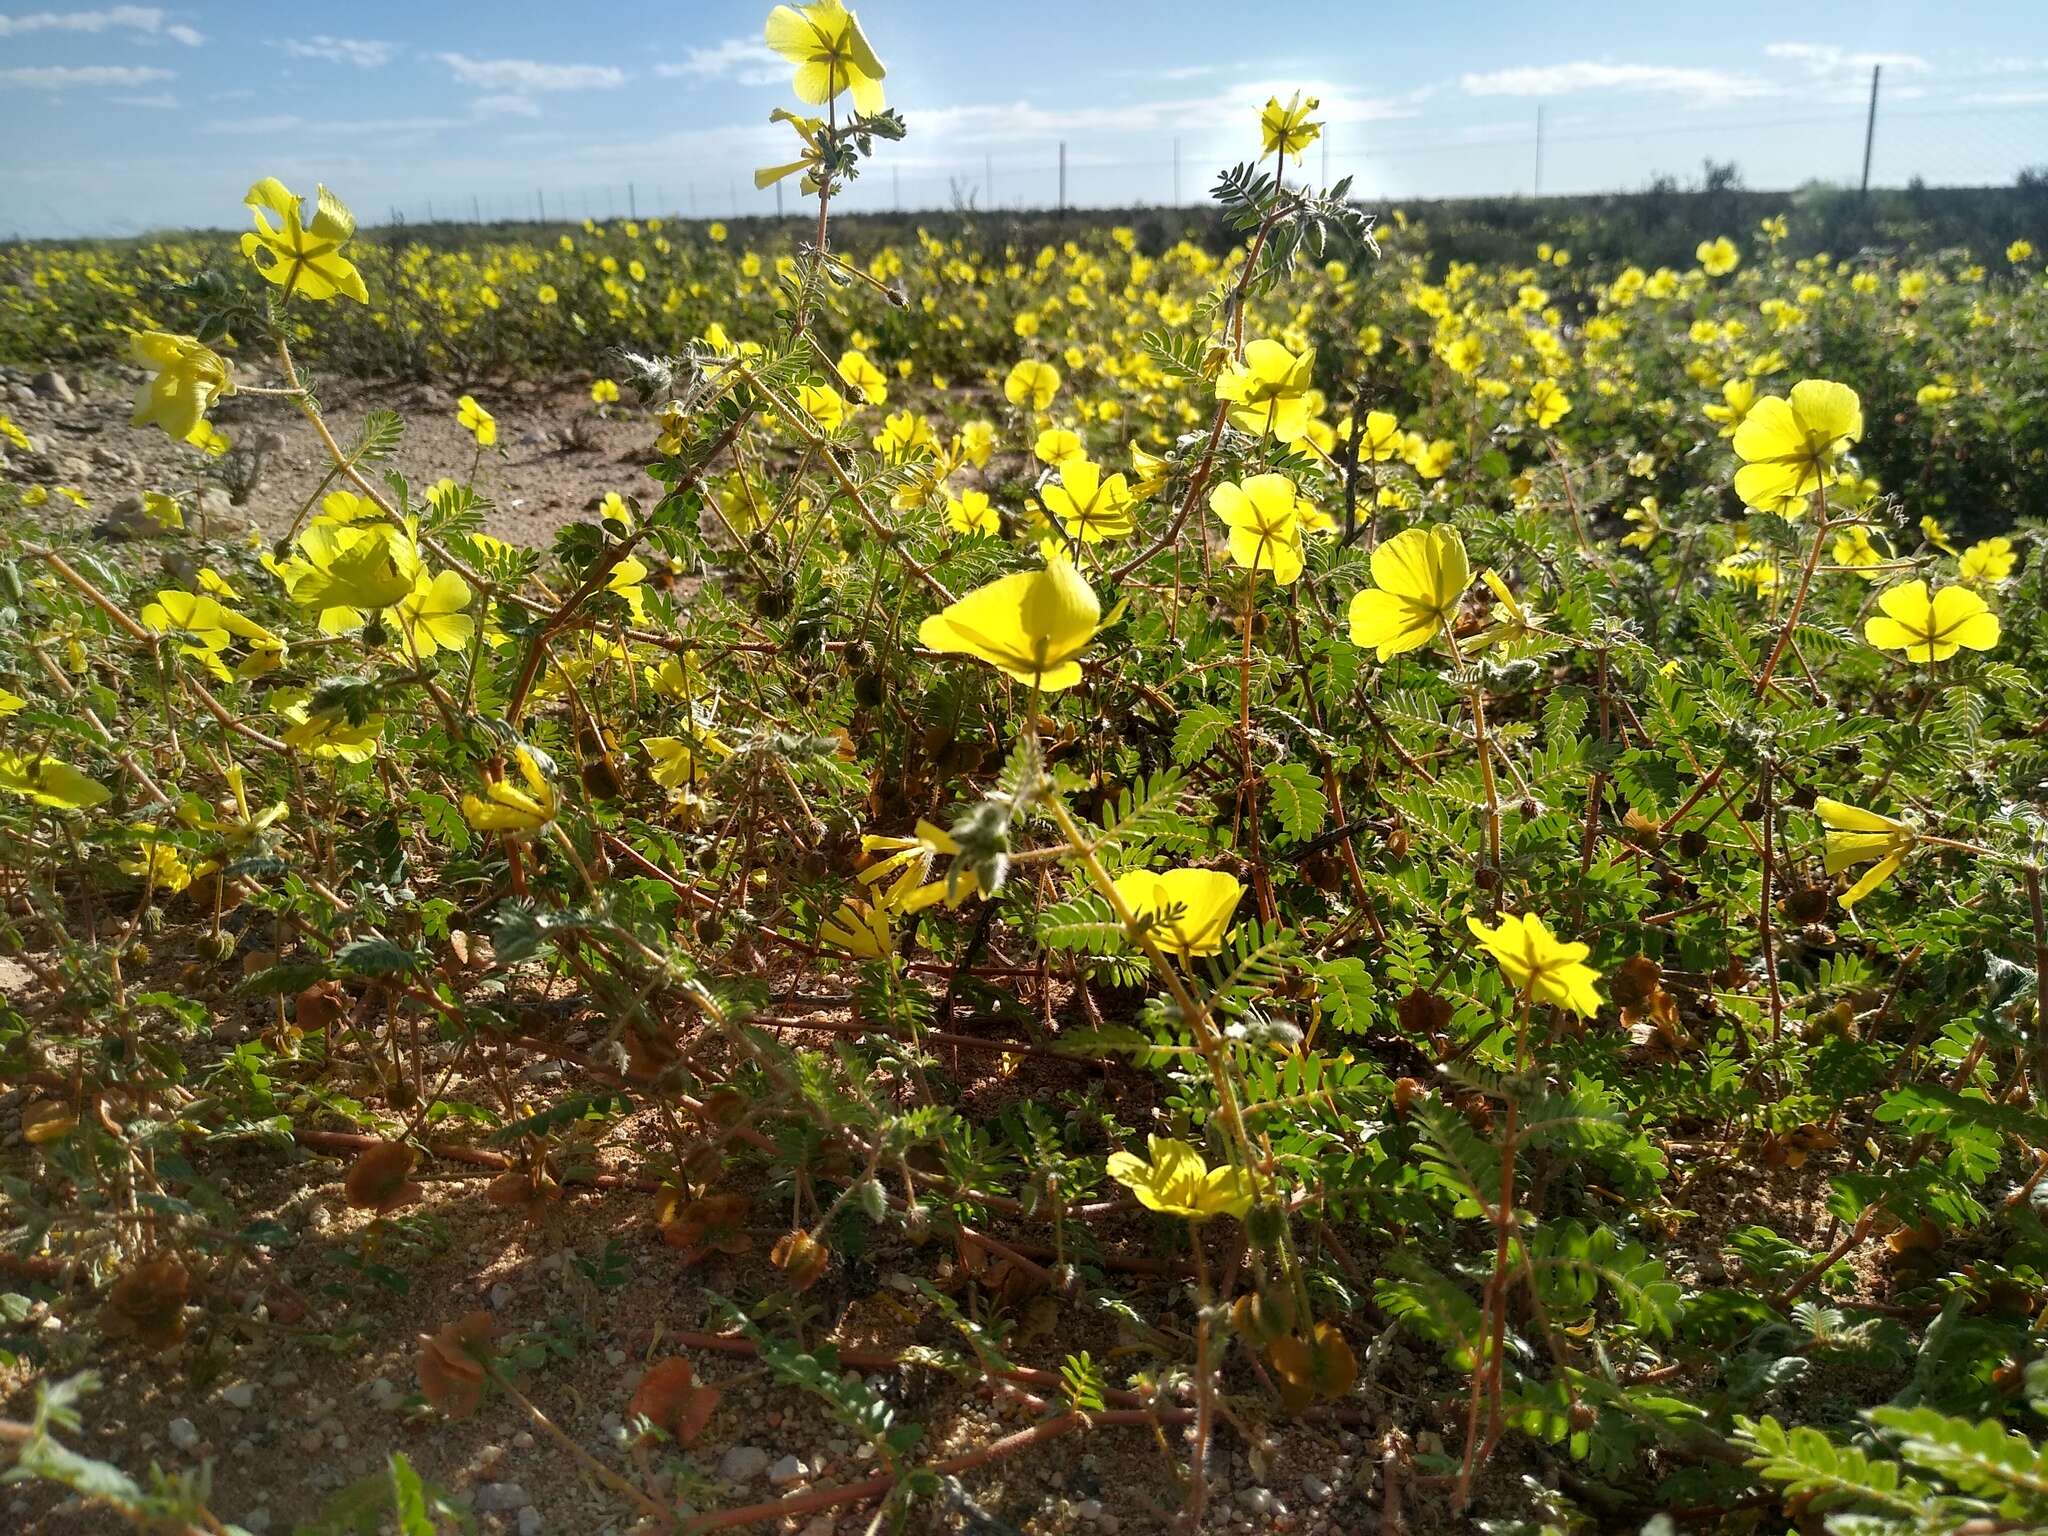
(988, 174)
(1870, 127)
(1062, 210)
(1176, 173)
(632, 202)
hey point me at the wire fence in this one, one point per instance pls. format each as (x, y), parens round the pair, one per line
(1549, 155)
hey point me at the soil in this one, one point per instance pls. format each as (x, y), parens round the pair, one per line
(555, 457)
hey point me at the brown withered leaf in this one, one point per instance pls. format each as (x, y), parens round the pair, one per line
(319, 1006)
(1424, 1014)
(1320, 1366)
(1260, 1318)
(453, 1364)
(517, 1190)
(801, 1257)
(671, 1399)
(47, 1120)
(148, 1302)
(1791, 1149)
(381, 1180)
(712, 1224)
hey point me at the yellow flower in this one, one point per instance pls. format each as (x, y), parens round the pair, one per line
(1187, 911)
(908, 865)
(330, 735)
(511, 809)
(1286, 130)
(1857, 836)
(474, 419)
(1988, 560)
(971, 513)
(1718, 257)
(301, 260)
(1429, 459)
(1548, 405)
(161, 865)
(546, 293)
(1090, 506)
(1419, 577)
(190, 376)
(676, 758)
(1270, 390)
(1536, 962)
(1931, 629)
(49, 782)
(11, 433)
(1854, 548)
(2019, 251)
(1177, 1182)
(859, 929)
(864, 378)
(1032, 626)
(433, 616)
(1032, 383)
(358, 566)
(1935, 534)
(1740, 395)
(824, 40)
(1056, 445)
(811, 130)
(1791, 448)
(163, 510)
(1382, 439)
(1264, 518)
(824, 405)
(604, 391)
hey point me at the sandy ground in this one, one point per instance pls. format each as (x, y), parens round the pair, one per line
(555, 454)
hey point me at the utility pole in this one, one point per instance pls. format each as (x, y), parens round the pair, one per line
(1539, 149)
(896, 186)
(632, 202)
(1063, 178)
(1326, 156)
(540, 205)
(988, 176)
(476, 210)
(1870, 126)
(1176, 173)
(778, 200)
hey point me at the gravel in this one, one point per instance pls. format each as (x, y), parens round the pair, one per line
(742, 1463)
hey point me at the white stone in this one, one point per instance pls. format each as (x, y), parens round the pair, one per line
(790, 1469)
(241, 1395)
(499, 1498)
(183, 1432)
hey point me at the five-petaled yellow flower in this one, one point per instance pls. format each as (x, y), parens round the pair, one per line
(824, 40)
(1718, 257)
(1032, 626)
(903, 871)
(302, 259)
(190, 376)
(859, 929)
(1931, 629)
(1264, 516)
(1419, 576)
(1856, 836)
(1177, 1182)
(1269, 390)
(1988, 560)
(508, 808)
(1032, 383)
(1790, 448)
(1537, 962)
(1286, 129)
(1090, 505)
(477, 421)
(1187, 911)
(1548, 405)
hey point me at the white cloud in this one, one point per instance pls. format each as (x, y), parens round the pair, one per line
(509, 75)
(505, 106)
(1825, 61)
(995, 123)
(364, 53)
(745, 59)
(2006, 99)
(143, 20)
(1582, 75)
(163, 101)
(67, 77)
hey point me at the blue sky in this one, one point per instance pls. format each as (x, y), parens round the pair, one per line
(119, 118)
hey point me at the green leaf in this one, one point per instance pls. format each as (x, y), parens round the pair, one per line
(1298, 799)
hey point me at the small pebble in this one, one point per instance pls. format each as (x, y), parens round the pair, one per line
(790, 1469)
(501, 1297)
(742, 1463)
(241, 1395)
(523, 1441)
(1316, 1490)
(529, 1521)
(499, 1498)
(257, 1520)
(1260, 1501)
(184, 1433)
